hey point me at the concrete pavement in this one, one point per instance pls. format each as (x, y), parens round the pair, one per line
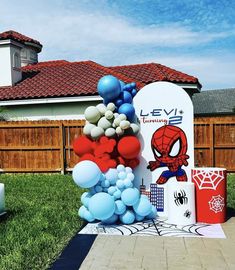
(146, 252)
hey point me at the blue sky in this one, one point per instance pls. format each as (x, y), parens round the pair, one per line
(196, 37)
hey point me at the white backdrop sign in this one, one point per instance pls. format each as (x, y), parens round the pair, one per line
(165, 113)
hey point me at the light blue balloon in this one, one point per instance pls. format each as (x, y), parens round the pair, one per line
(81, 211)
(120, 184)
(105, 189)
(138, 217)
(88, 216)
(130, 176)
(128, 217)
(85, 198)
(128, 110)
(122, 175)
(153, 213)
(130, 196)
(128, 170)
(86, 174)
(113, 219)
(109, 88)
(101, 206)
(117, 194)
(105, 183)
(112, 176)
(102, 177)
(98, 188)
(120, 168)
(92, 190)
(111, 190)
(128, 183)
(120, 207)
(143, 207)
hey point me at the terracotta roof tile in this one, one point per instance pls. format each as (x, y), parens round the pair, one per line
(153, 72)
(18, 37)
(66, 79)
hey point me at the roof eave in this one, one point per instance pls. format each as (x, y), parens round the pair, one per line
(50, 100)
(196, 87)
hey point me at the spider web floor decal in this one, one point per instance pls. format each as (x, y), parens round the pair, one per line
(157, 227)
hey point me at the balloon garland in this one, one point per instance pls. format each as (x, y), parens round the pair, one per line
(108, 152)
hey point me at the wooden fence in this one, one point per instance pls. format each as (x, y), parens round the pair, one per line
(214, 142)
(46, 146)
(39, 146)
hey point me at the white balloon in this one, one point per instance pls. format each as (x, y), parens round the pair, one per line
(135, 128)
(110, 132)
(102, 108)
(124, 124)
(119, 131)
(92, 114)
(96, 132)
(87, 128)
(117, 121)
(109, 115)
(104, 123)
(111, 106)
(122, 116)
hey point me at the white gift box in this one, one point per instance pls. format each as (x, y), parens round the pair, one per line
(181, 203)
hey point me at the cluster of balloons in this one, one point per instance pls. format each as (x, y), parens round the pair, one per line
(112, 196)
(108, 153)
(103, 120)
(113, 90)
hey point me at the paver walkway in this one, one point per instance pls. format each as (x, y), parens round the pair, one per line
(140, 252)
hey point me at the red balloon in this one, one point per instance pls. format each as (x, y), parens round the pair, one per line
(87, 157)
(132, 163)
(129, 147)
(82, 145)
(112, 163)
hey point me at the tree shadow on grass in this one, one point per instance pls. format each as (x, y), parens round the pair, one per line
(9, 215)
(230, 213)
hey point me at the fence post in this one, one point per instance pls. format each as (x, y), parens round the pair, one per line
(62, 149)
(212, 146)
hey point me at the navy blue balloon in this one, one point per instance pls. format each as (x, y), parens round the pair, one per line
(118, 102)
(133, 85)
(128, 110)
(122, 84)
(128, 87)
(109, 88)
(133, 92)
(127, 97)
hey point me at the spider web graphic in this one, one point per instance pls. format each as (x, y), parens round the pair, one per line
(216, 203)
(208, 180)
(155, 227)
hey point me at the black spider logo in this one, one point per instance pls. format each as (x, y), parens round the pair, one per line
(187, 213)
(180, 197)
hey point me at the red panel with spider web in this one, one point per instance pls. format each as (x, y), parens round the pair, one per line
(211, 194)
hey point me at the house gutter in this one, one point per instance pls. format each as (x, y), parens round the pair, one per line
(49, 100)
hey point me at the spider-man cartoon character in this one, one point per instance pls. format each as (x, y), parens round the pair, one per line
(169, 146)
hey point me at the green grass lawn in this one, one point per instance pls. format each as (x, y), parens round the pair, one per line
(231, 194)
(42, 218)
